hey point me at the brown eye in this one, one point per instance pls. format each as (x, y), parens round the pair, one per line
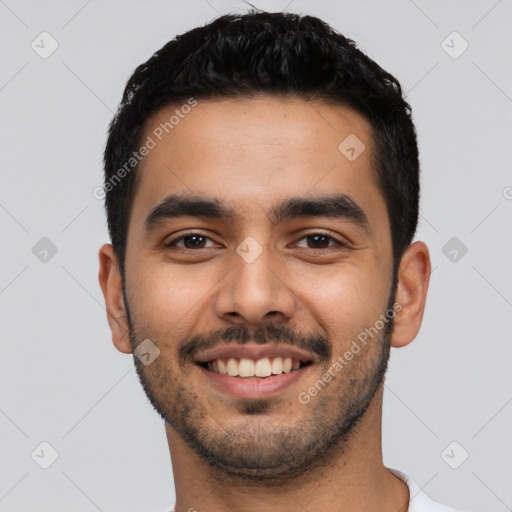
(194, 241)
(320, 241)
(190, 241)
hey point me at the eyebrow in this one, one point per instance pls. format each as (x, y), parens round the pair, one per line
(340, 206)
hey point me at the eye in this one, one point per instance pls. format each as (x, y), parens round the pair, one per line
(190, 241)
(321, 240)
(195, 241)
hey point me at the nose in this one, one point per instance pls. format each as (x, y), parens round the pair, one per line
(255, 292)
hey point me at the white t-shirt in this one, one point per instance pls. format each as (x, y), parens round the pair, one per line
(419, 501)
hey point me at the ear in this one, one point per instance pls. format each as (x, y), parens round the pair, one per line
(411, 293)
(111, 285)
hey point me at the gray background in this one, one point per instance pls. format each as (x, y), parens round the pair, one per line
(63, 382)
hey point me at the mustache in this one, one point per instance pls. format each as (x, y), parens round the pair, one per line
(241, 334)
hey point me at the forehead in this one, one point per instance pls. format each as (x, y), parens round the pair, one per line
(253, 152)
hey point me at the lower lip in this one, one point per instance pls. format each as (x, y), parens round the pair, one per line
(253, 388)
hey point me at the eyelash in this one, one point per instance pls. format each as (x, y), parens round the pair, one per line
(337, 243)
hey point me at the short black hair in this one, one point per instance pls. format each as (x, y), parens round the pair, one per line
(283, 54)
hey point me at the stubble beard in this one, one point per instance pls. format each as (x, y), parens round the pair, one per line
(262, 452)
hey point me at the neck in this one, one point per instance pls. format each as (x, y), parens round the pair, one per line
(353, 478)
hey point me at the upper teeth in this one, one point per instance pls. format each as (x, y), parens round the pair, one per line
(241, 367)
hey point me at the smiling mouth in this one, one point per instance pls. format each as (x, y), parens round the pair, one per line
(245, 368)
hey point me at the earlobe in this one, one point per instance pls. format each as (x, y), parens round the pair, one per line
(411, 293)
(111, 285)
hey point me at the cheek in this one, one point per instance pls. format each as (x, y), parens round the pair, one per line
(346, 301)
(166, 302)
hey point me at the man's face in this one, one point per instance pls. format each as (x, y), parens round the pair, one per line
(310, 283)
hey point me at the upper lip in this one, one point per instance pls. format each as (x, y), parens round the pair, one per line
(252, 352)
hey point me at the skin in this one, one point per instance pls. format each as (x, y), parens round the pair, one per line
(251, 154)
